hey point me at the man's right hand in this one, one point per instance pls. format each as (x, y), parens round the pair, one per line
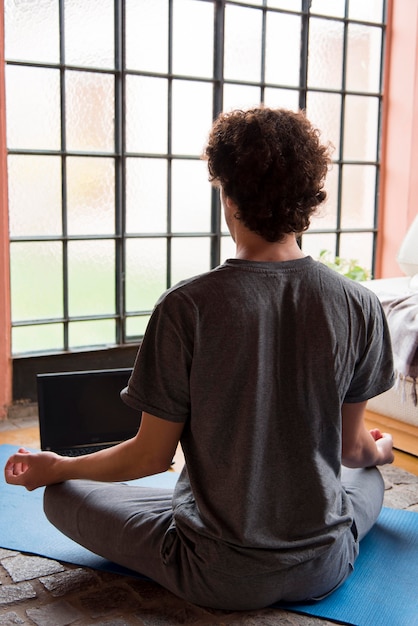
(361, 447)
(384, 444)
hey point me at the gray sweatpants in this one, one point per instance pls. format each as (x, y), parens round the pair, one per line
(133, 526)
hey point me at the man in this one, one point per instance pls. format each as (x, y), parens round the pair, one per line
(261, 368)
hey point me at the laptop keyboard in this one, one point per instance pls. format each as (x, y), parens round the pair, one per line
(87, 450)
(84, 450)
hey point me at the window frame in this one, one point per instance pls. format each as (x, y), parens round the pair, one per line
(123, 345)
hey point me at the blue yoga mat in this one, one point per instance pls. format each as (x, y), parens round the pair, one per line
(382, 591)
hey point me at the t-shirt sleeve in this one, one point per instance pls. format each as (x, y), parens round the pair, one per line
(159, 383)
(373, 373)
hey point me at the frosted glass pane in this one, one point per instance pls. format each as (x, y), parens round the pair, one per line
(281, 98)
(243, 28)
(146, 263)
(324, 111)
(290, 5)
(136, 326)
(146, 114)
(90, 111)
(256, 2)
(313, 244)
(363, 58)
(191, 196)
(325, 60)
(361, 128)
(359, 247)
(191, 124)
(189, 257)
(32, 31)
(90, 196)
(227, 248)
(358, 196)
(240, 97)
(91, 277)
(283, 42)
(335, 8)
(36, 280)
(146, 28)
(89, 33)
(34, 195)
(146, 195)
(40, 338)
(199, 38)
(33, 108)
(370, 11)
(326, 215)
(91, 333)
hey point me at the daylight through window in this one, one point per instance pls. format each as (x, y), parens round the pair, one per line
(108, 108)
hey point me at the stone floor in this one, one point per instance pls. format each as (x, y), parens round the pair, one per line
(41, 591)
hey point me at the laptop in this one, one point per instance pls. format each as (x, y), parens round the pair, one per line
(81, 412)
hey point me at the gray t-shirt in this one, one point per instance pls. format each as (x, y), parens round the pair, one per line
(257, 358)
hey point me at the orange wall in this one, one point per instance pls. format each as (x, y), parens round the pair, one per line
(399, 173)
(5, 341)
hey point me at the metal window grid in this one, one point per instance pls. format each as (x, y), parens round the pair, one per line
(120, 154)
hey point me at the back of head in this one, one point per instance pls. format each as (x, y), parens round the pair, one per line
(271, 163)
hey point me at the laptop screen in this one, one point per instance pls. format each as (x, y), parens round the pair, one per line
(84, 408)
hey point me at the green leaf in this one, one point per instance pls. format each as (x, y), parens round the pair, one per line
(346, 267)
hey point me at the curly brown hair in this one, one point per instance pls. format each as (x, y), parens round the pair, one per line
(271, 163)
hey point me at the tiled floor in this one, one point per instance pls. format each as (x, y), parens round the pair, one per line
(40, 591)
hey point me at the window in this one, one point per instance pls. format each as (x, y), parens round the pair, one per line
(108, 107)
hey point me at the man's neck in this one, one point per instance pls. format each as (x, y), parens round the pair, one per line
(252, 247)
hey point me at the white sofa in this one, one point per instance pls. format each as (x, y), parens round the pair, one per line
(396, 410)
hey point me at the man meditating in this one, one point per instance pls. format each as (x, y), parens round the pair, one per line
(261, 369)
